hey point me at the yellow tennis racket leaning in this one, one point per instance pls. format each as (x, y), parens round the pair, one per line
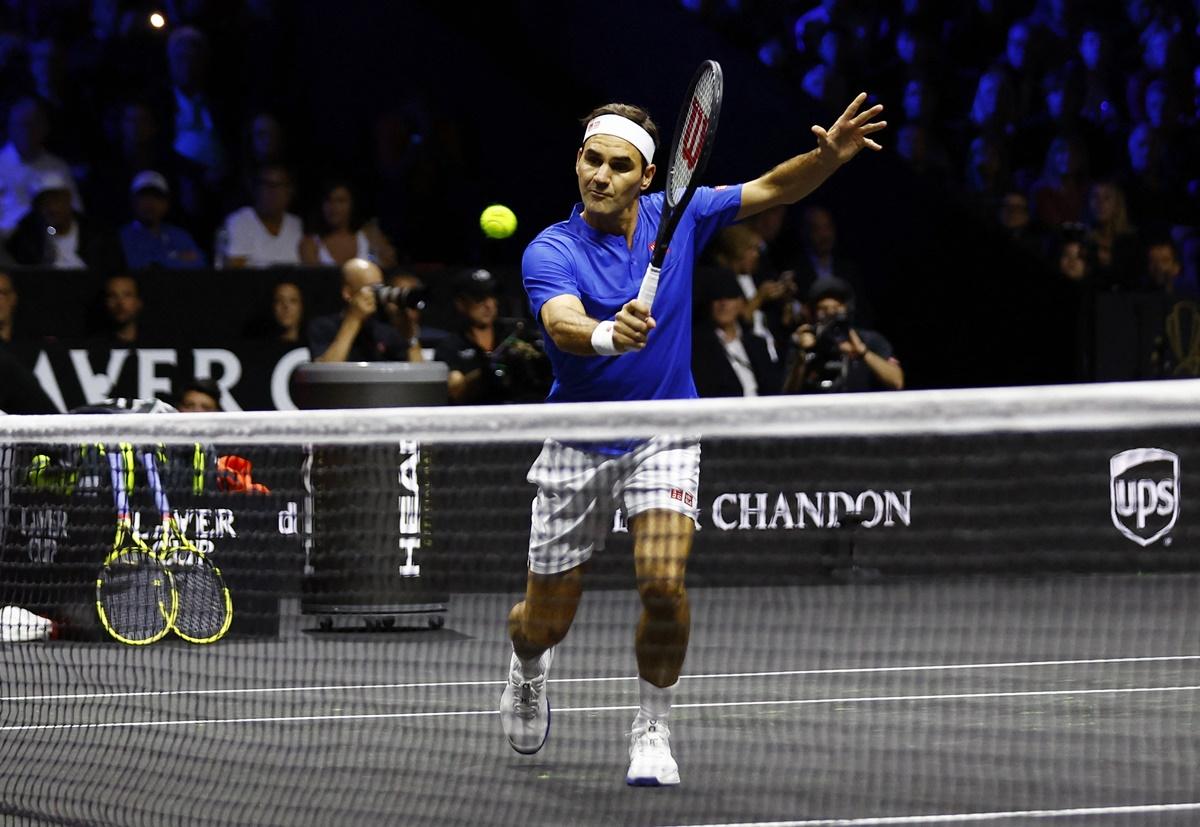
(205, 607)
(135, 593)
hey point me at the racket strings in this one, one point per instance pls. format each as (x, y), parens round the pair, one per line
(694, 134)
(135, 594)
(203, 606)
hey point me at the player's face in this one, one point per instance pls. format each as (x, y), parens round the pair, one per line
(610, 175)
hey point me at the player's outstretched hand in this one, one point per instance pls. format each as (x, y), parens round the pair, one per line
(633, 324)
(850, 132)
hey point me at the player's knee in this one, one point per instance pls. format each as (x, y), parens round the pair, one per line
(662, 595)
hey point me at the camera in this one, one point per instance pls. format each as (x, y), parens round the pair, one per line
(827, 364)
(413, 298)
(519, 369)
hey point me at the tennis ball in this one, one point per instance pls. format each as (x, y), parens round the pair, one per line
(498, 221)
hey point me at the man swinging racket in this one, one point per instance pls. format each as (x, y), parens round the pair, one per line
(582, 276)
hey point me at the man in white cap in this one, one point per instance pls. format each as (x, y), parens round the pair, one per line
(148, 240)
(53, 234)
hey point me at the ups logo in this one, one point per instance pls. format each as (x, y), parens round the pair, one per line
(1145, 493)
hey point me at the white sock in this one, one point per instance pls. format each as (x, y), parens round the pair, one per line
(655, 701)
(531, 668)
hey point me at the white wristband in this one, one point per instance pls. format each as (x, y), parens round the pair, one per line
(602, 339)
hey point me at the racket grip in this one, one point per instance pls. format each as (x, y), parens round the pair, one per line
(649, 286)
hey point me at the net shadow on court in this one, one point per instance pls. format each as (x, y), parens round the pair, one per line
(904, 698)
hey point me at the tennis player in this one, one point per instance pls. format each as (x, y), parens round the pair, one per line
(582, 276)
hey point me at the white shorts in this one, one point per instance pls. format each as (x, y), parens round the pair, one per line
(579, 491)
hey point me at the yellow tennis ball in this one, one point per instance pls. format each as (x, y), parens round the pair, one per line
(498, 221)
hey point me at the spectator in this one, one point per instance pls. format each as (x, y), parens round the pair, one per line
(728, 359)
(1073, 262)
(737, 249)
(1164, 270)
(468, 352)
(122, 309)
(23, 162)
(196, 131)
(994, 108)
(287, 312)
(341, 234)
(1153, 197)
(264, 234)
(832, 354)
(1113, 238)
(987, 175)
(148, 241)
(357, 334)
(138, 145)
(1059, 194)
(1101, 98)
(1015, 217)
(53, 235)
(200, 396)
(8, 309)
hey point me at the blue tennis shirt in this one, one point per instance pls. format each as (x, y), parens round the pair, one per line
(573, 258)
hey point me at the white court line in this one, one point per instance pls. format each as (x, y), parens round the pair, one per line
(492, 682)
(960, 818)
(617, 708)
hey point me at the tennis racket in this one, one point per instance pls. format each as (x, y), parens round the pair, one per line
(205, 608)
(695, 132)
(135, 593)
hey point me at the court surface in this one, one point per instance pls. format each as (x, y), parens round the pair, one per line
(1054, 701)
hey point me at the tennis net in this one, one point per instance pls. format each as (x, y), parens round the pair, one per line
(923, 605)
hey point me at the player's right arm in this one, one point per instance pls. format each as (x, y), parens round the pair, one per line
(574, 331)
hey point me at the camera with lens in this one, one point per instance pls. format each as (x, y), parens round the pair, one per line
(413, 298)
(519, 369)
(827, 364)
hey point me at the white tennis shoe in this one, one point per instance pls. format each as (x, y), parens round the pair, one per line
(524, 708)
(650, 761)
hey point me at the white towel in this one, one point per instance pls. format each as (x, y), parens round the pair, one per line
(17, 625)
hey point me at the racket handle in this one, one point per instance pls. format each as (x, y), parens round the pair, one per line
(649, 286)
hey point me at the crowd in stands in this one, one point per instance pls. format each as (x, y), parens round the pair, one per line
(1072, 124)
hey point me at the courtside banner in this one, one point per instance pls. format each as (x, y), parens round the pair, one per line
(812, 510)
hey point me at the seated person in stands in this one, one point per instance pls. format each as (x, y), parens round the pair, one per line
(491, 360)
(831, 354)
(287, 313)
(122, 309)
(148, 240)
(1164, 271)
(53, 234)
(264, 234)
(341, 235)
(200, 396)
(357, 334)
(728, 358)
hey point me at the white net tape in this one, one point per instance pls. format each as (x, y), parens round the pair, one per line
(1070, 408)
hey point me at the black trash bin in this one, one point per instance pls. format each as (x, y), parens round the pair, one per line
(370, 560)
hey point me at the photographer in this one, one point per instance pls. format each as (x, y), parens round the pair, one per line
(491, 360)
(831, 355)
(358, 334)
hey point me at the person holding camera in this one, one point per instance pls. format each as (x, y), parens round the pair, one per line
(358, 334)
(492, 360)
(831, 355)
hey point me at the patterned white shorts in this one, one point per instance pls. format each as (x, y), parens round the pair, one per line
(579, 491)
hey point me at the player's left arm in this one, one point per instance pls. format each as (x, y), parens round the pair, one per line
(798, 176)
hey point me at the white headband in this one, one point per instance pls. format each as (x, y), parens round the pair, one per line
(621, 127)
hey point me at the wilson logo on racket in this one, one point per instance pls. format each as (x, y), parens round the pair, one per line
(692, 143)
(1144, 489)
